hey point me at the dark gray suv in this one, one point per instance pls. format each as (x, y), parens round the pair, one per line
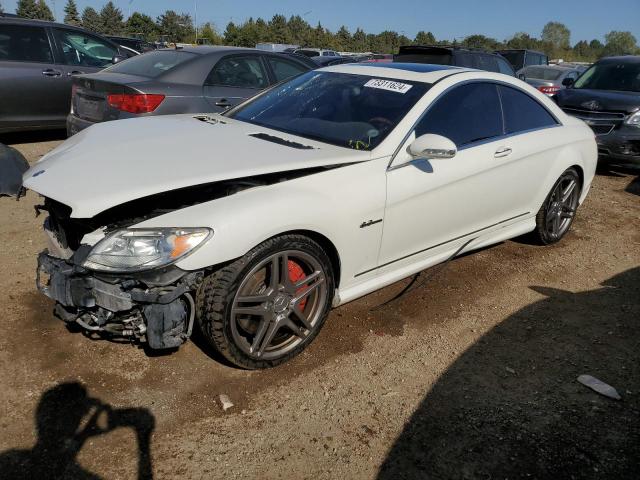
(37, 62)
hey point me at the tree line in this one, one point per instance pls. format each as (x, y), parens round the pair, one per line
(555, 38)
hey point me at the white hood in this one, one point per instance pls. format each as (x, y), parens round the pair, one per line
(115, 162)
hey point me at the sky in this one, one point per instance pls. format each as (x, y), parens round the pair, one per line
(447, 19)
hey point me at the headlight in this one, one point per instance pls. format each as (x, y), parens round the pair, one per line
(142, 249)
(633, 120)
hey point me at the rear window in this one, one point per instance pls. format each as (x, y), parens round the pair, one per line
(542, 73)
(152, 64)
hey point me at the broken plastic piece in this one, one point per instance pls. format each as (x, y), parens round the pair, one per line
(226, 402)
(12, 166)
(599, 386)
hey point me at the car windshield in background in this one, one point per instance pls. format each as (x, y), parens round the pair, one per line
(623, 77)
(353, 111)
(152, 64)
(540, 73)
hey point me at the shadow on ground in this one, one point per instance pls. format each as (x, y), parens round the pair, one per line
(510, 407)
(66, 418)
(17, 138)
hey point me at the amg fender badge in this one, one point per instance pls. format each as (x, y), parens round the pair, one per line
(370, 222)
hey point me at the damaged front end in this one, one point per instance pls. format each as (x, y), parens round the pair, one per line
(154, 306)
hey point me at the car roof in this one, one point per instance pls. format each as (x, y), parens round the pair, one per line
(209, 49)
(419, 72)
(33, 21)
(621, 59)
(521, 50)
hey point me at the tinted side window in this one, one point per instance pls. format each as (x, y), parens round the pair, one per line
(283, 69)
(504, 67)
(488, 63)
(466, 114)
(241, 72)
(84, 50)
(465, 60)
(24, 44)
(521, 112)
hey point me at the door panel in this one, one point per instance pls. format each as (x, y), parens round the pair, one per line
(29, 79)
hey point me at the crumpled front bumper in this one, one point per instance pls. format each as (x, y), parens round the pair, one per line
(152, 307)
(620, 145)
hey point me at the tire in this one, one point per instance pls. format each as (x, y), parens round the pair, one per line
(556, 215)
(258, 313)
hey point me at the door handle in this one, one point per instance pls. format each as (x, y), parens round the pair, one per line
(502, 152)
(50, 72)
(74, 72)
(223, 103)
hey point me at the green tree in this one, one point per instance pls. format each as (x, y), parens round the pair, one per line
(43, 11)
(343, 39)
(525, 41)
(359, 41)
(71, 15)
(278, 29)
(557, 35)
(582, 51)
(231, 34)
(619, 43)
(481, 42)
(27, 9)
(91, 20)
(300, 32)
(179, 28)
(209, 32)
(112, 19)
(141, 24)
(424, 38)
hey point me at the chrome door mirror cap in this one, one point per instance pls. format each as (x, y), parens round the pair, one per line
(432, 146)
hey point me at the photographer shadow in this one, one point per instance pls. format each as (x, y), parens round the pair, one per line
(66, 417)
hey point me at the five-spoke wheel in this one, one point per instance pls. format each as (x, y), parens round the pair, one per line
(558, 211)
(277, 298)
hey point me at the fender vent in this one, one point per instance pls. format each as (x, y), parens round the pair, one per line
(281, 141)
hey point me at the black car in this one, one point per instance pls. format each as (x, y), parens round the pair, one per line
(330, 61)
(458, 56)
(140, 46)
(607, 97)
(183, 80)
(37, 62)
(520, 58)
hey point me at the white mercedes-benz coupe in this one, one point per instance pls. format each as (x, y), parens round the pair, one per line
(318, 191)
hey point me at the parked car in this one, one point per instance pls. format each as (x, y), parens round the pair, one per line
(37, 63)
(137, 44)
(607, 97)
(184, 80)
(380, 58)
(461, 57)
(302, 58)
(548, 78)
(520, 58)
(316, 52)
(323, 189)
(329, 61)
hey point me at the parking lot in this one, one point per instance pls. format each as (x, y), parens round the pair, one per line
(468, 374)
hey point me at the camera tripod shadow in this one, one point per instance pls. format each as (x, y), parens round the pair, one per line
(66, 417)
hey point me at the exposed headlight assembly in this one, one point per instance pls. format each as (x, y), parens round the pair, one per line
(633, 119)
(135, 249)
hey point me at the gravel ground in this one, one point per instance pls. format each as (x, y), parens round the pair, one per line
(470, 375)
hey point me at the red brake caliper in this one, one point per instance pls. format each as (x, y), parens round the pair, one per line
(295, 275)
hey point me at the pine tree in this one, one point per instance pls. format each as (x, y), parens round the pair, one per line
(44, 12)
(141, 24)
(71, 15)
(112, 19)
(91, 20)
(27, 9)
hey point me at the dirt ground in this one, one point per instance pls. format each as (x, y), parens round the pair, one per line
(470, 375)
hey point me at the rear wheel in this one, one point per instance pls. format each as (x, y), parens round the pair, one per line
(558, 211)
(266, 307)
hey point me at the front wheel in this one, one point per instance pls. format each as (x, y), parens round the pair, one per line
(559, 209)
(266, 307)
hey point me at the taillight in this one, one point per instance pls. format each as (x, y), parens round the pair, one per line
(549, 90)
(135, 102)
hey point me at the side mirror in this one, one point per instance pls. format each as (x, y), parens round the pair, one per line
(118, 58)
(522, 77)
(432, 146)
(567, 82)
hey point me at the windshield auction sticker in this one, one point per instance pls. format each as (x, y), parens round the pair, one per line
(388, 85)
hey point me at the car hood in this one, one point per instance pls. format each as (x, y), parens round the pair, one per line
(113, 163)
(626, 102)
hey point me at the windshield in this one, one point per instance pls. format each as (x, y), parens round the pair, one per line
(540, 73)
(515, 58)
(151, 64)
(623, 77)
(352, 111)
